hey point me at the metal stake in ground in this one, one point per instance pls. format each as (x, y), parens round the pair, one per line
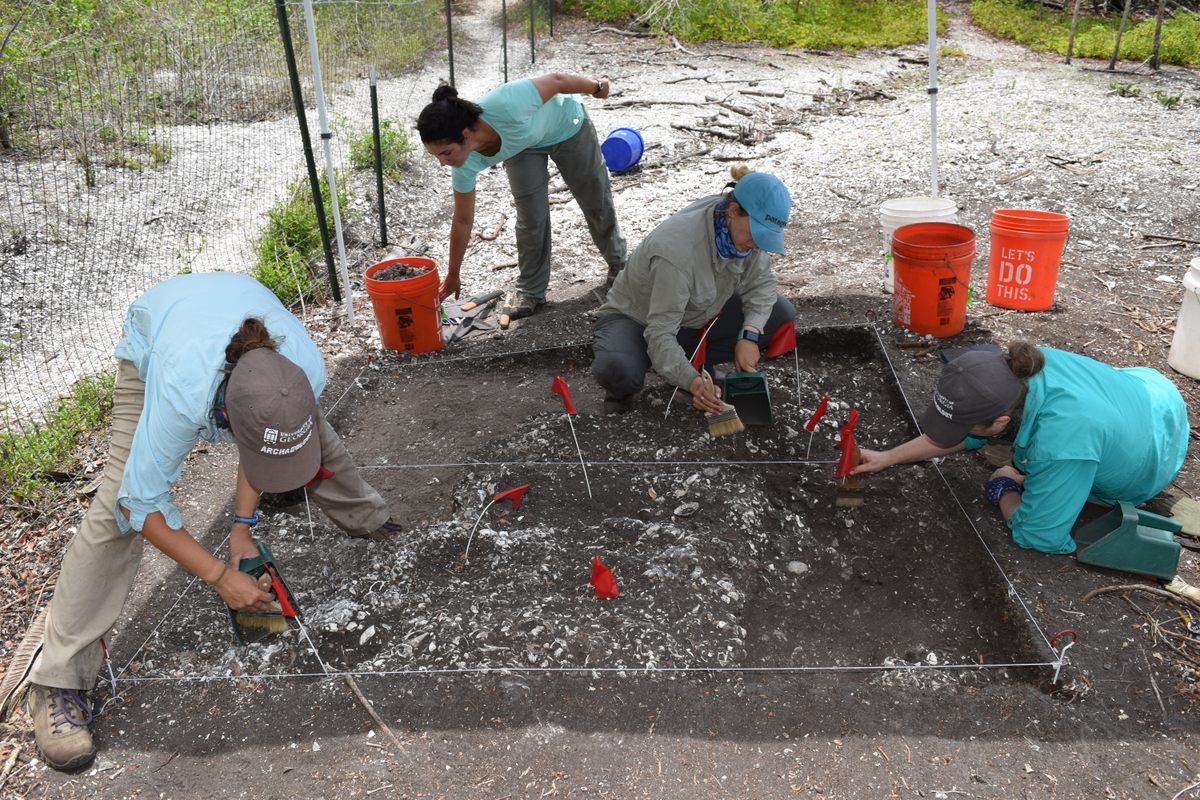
(513, 495)
(811, 425)
(697, 355)
(560, 388)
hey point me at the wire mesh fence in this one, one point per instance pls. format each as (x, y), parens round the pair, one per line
(128, 159)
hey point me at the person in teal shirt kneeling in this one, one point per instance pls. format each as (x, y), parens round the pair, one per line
(1084, 431)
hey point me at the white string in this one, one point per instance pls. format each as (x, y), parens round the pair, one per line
(724, 462)
(467, 553)
(1185, 791)
(575, 670)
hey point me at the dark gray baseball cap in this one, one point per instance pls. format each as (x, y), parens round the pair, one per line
(274, 418)
(974, 388)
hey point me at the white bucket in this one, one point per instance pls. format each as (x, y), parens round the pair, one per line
(903, 211)
(1185, 347)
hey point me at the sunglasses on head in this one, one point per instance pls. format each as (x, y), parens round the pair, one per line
(220, 416)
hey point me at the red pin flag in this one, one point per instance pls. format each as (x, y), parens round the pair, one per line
(846, 432)
(811, 425)
(515, 494)
(783, 340)
(847, 462)
(603, 581)
(560, 388)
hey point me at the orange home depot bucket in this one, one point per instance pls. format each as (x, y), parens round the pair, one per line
(407, 310)
(932, 274)
(1027, 247)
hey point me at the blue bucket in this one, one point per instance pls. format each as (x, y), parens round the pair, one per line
(622, 149)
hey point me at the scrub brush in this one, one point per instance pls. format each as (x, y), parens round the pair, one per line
(725, 423)
(254, 626)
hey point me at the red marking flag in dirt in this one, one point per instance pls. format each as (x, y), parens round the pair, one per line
(515, 495)
(783, 340)
(560, 388)
(819, 412)
(603, 581)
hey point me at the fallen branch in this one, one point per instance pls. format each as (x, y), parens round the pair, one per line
(730, 137)
(383, 726)
(629, 103)
(505, 265)
(1130, 587)
(1169, 238)
(761, 93)
(496, 230)
(619, 32)
(745, 112)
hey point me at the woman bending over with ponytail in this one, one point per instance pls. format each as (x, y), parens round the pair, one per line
(213, 357)
(1084, 431)
(523, 123)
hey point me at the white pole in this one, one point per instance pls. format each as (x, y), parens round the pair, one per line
(933, 89)
(327, 139)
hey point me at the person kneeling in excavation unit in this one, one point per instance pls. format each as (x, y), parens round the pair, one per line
(710, 258)
(214, 357)
(1084, 431)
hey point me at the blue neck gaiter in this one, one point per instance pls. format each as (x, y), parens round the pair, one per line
(724, 242)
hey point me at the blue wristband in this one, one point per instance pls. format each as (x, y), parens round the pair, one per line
(996, 487)
(251, 520)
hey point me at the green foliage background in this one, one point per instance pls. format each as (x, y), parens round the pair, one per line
(1047, 30)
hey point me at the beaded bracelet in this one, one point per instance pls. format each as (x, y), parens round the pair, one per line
(224, 569)
(996, 487)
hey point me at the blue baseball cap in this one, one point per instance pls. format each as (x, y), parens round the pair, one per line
(766, 200)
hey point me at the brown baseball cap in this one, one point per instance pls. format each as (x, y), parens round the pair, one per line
(274, 417)
(974, 388)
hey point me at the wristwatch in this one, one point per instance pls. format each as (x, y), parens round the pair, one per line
(750, 336)
(599, 88)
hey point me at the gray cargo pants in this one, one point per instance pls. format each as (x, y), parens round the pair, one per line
(101, 563)
(619, 344)
(582, 168)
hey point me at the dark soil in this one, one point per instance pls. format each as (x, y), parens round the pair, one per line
(398, 272)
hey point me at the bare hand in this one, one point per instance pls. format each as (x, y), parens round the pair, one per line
(450, 286)
(705, 396)
(872, 461)
(241, 545)
(605, 84)
(745, 355)
(241, 593)
(1009, 472)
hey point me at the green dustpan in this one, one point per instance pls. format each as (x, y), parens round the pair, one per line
(747, 391)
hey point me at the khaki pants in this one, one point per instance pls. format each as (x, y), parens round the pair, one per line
(101, 563)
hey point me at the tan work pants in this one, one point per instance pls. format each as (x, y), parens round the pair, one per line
(101, 562)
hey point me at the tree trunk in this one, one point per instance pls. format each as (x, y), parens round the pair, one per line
(1074, 22)
(5, 132)
(1162, 7)
(1112, 64)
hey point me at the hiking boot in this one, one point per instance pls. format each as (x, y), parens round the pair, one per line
(525, 306)
(60, 726)
(387, 530)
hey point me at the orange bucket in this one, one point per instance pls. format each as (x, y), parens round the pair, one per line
(407, 310)
(932, 275)
(1027, 248)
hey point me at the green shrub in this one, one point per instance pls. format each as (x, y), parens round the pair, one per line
(29, 450)
(1048, 30)
(1168, 100)
(1124, 89)
(818, 24)
(394, 149)
(291, 243)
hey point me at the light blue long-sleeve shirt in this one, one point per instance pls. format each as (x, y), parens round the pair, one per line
(1089, 430)
(516, 112)
(176, 334)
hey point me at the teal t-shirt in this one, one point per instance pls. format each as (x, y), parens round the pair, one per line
(523, 121)
(1089, 430)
